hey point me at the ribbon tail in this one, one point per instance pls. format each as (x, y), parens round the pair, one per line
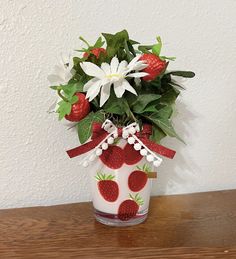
(161, 150)
(86, 147)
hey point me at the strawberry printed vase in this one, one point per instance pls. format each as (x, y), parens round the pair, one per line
(122, 162)
(120, 185)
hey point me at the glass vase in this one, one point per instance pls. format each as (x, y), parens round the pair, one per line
(121, 185)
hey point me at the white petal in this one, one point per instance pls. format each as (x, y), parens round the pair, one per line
(133, 61)
(114, 65)
(105, 93)
(139, 74)
(90, 83)
(92, 70)
(93, 91)
(122, 67)
(119, 88)
(140, 65)
(128, 87)
(106, 68)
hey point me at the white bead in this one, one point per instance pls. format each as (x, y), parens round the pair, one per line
(106, 127)
(150, 158)
(92, 157)
(132, 130)
(85, 163)
(137, 128)
(143, 152)
(156, 163)
(98, 152)
(115, 135)
(131, 140)
(104, 146)
(110, 140)
(125, 134)
(137, 146)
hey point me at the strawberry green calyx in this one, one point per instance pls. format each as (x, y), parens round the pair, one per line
(156, 49)
(137, 198)
(145, 168)
(103, 177)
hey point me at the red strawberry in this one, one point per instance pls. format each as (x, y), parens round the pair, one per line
(132, 156)
(138, 178)
(113, 157)
(96, 52)
(155, 66)
(129, 208)
(107, 187)
(80, 109)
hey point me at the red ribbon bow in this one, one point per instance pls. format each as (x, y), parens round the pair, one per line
(99, 134)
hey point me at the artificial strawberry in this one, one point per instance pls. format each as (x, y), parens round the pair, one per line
(155, 66)
(107, 187)
(138, 178)
(80, 109)
(129, 208)
(96, 52)
(131, 156)
(113, 157)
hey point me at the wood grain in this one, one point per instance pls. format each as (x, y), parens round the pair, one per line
(199, 225)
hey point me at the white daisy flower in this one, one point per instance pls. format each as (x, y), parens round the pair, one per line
(114, 74)
(62, 72)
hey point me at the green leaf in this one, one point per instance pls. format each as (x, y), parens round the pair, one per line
(63, 109)
(163, 124)
(54, 87)
(165, 112)
(84, 126)
(157, 134)
(128, 53)
(69, 90)
(168, 58)
(115, 42)
(145, 49)
(99, 43)
(142, 101)
(188, 74)
(74, 99)
(169, 97)
(113, 105)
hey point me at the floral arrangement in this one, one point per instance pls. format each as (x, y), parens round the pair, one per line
(120, 95)
(121, 80)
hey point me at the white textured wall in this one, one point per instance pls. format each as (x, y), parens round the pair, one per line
(34, 169)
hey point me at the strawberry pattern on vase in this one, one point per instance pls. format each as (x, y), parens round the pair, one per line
(120, 185)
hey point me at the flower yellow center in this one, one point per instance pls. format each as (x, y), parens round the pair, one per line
(114, 75)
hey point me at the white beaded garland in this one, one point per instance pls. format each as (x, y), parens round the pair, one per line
(91, 158)
(131, 140)
(125, 134)
(150, 158)
(143, 152)
(132, 130)
(137, 146)
(156, 163)
(98, 152)
(110, 140)
(104, 146)
(115, 135)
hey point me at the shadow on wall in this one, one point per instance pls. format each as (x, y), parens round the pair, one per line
(174, 176)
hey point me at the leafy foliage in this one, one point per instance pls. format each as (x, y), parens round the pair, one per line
(153, 104)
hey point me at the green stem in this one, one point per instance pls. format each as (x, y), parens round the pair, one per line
(62, 97)
(81, 38)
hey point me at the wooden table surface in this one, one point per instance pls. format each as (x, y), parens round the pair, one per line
(199, 225)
